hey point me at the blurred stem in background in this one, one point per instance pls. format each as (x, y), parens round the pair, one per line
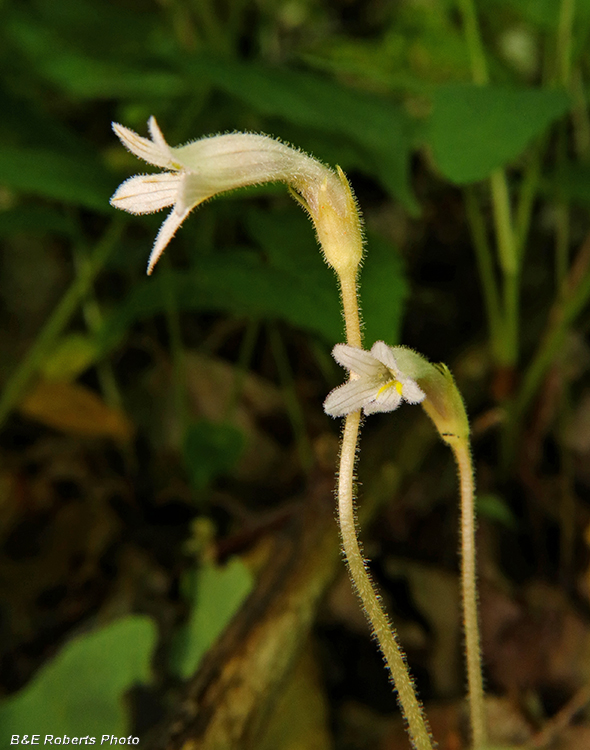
(59, 318)
(94, 318)
(502, 307)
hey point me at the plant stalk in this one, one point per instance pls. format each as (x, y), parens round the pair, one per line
(382, 628)
(469, 595)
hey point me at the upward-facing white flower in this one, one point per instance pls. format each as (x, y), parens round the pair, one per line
(204, 168)
(377, 381)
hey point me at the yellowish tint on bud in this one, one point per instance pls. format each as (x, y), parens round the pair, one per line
(444, 405)
(337, 224)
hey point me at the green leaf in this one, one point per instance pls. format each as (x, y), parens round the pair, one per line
(80, 692)
(35, 220)
(237, 283)
(84, 76)
(211, 450)
(55, 175)
(69, 357)
(379, 128)
(497, 509)
(384, 290)
(218, 593)
(287, 242)
(290, 283)
(475, 129)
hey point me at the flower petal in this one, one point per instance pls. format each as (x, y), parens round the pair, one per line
(165, 234)
(384, 354)
(145, 194)
(156, 152)
(411, 392)
(357, 360)
(157, 135)
(386, 400)
(349, 397)
(194, 191)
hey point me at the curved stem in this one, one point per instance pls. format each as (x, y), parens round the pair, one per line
(348, 292)
(382, 628)
(469, 595)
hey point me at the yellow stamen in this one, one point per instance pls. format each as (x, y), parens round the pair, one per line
(395, 383)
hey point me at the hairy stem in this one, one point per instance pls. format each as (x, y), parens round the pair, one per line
(380, 624)
(382, 628)
(348, 291)
(469, 595)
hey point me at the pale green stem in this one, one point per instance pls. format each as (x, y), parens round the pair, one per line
(505, 237)
(93, 318)
(348, 291)
(564, 57)
(545, 355)
(382, 628)
(564, 40)
(580, 117)
(468, 584)
(485, 264)
(58, 320)
(508, 263)
(479, 66)
(503, 222)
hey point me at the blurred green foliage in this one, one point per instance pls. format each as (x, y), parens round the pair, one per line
(370, 94)
(216, 594)
(81, 691)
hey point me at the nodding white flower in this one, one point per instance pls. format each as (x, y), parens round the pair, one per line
(377, 382)
(204, 168)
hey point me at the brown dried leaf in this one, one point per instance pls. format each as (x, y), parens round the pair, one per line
(75, 409)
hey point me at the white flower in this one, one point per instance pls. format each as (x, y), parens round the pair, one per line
(377, 383)
(213, 165)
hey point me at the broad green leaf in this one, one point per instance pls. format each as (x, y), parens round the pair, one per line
(86, 76)
(286, 240)
(237, 283)
(384, 290)
(290, 283)
(475, 129)
(80, 692)
(210, 450)
(69, 357)
(36, 220)
(55, 175)
(217, 594)
(25, 123)
(379, 127)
